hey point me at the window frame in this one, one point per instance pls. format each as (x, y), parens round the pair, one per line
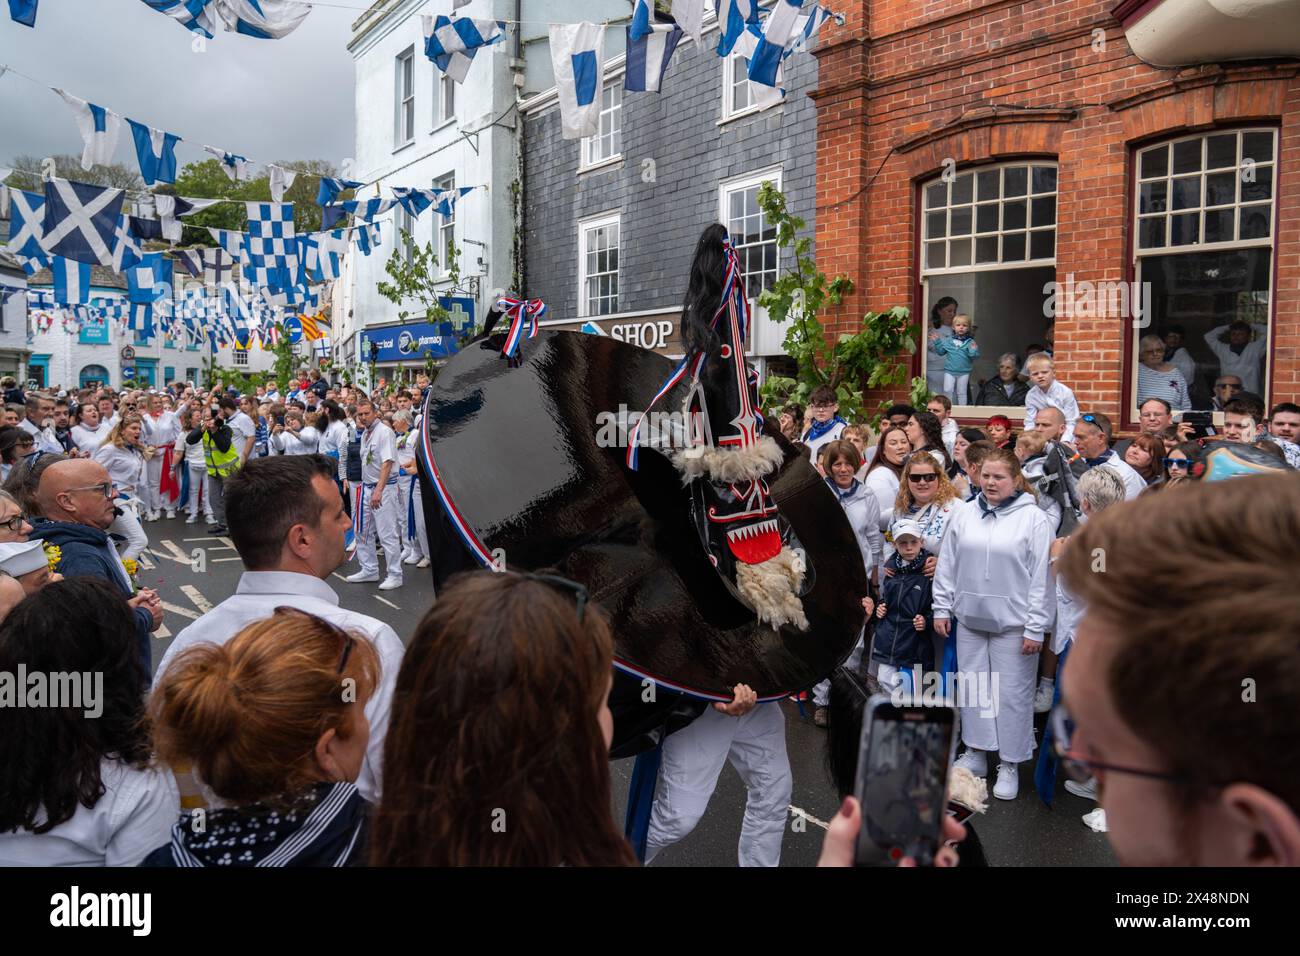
(586, 162)
(774, 175)
(1132, 335)
(403, 99)
(404, 220)
(446, 94)
(445, 226)
(239, 357)
(585, 227)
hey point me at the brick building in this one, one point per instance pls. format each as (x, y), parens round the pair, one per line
(984, 150)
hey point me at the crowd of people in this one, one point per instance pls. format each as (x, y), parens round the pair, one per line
(282, 729)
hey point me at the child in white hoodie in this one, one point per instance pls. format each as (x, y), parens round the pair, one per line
(993, 577)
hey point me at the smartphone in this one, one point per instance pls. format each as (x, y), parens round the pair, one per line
(904, 756)
(1201, 421)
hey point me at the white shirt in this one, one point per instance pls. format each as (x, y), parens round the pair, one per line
(45, 440)
(883, 483)
(162, 430)
(1134, 484)
(1245, 366)
(125, 467)
(378, 445)
(1057, 396)
(242, 429)
(88, 439)
(257, 596)
(950, 435)
(302, 442)
(132, 819)
(832, 434)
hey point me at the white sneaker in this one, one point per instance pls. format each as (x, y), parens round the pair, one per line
(1008, 782)
(192, 519)
(1043, 697)
(171, 512)
(361, 577)
(975, 761)
(1086, 790)
(150, 516)
(391, 583)
(409, 558)
(1095, 820)
(424, 563)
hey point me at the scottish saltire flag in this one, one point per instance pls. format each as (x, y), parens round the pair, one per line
(99, 129)
(195, 15)
(151, 280)
(23, 11)
(452, 44)
(234, 243)
(281, 179)
(689, 15)
(156, 152)
(27, 227)
(264, 19)
(237, 167)
(778, 33)
(71, 281)
(577, 55)
(127, 250)
(329, 189)
(734, 17)
(648, 58)
(81, 221)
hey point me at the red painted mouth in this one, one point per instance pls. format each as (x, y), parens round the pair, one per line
(755, 543)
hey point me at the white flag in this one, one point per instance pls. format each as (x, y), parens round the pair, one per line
(281, 180)
(577, 55)
(99, 130)
(689, 15)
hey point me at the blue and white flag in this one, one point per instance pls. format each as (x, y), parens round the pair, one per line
(237, 167)
(364, 209)
(778, 33)
(280, 180)
(23, 11)
(234, 243)
(213, 266)
(366, 237)
(734, 17)
(127, 250)
(150, 280)
(195, 15)
(99, 128)
(71, 281)
(330, 189)
(142, 320)
(416, 201)
(27, 227)
(264, 19)
(689, 15)
(452, 44)
(642, 18)
(810, 25)
(321, 255)
(577, 56)
(272, 261)
(763, 96)
(171, 208)
(156, 152)
(648, 58)
(81, 221)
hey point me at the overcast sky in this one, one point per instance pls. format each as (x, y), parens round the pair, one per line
(265, 99)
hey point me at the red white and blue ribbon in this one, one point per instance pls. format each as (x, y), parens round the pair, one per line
(463, 528)
(691, 363)
(520, 310)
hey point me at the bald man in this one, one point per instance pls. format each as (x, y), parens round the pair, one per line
(76, 499)
(1050, 423)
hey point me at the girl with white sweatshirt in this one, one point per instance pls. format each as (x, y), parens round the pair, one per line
(993, 578)
(194, 461)
(294, 437)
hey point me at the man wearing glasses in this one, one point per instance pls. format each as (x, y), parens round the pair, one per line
(75, 498)
(1226, 388)
(40, 417)
(1159, 702)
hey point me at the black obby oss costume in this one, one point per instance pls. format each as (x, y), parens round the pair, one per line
(715, 548)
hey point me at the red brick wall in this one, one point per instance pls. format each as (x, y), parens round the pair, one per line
(905, 84)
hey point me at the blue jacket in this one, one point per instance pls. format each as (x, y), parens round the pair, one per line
(959, 355)
(907, 593)
(89, 552)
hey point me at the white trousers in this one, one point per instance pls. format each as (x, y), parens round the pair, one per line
(822, 690)
(956, 387)
(692, 760)
(417, 544)
(990, 657)
(383, 524)
(200, 486)
(127, 524)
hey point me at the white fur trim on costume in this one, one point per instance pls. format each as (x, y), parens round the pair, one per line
(727, 465)
(772, 589)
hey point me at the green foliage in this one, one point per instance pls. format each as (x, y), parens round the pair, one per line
(420, 279)
(874, 357)
(27, 173)
(286, 362)
(226, 377)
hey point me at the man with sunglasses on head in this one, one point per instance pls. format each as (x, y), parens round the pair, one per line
(1092, 441)
(75, 498)
(287, 522)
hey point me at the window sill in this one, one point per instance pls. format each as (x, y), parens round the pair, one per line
(442, 125)
(407, 145)
(603, 164)
(747, 113)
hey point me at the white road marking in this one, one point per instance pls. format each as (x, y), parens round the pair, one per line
(162, 631)
(200, 539)
(145, 562)
(219, 560)
(809, 817)
(200, 602)
(340, 577)
(182, 611)
(174, 553)
(389, 603)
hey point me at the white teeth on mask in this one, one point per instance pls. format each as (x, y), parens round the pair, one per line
(752, 531)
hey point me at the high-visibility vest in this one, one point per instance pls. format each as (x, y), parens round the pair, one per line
(221, 464)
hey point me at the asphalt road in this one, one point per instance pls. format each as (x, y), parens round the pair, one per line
(193, 571)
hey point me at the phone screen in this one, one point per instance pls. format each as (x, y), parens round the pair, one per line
(903, 781)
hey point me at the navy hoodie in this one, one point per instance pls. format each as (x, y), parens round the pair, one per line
(89, 552)
(907, 593)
